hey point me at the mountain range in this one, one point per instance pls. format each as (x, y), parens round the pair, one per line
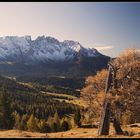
(46, 57)
(43, 49)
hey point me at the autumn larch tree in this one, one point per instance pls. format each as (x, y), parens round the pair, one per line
(125, 96)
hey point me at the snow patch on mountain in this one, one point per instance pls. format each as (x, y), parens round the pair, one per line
(43, 48)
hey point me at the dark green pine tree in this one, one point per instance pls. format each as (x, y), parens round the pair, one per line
(77, 117)
(65, 126)
(23, 123)
(6, 118)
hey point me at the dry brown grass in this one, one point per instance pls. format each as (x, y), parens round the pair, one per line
(133, 132)
(78, 101)
(21, 134)
(93, 133)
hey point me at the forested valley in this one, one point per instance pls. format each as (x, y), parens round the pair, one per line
(50, 105)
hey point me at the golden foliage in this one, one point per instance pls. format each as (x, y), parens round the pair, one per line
(93, 92)
(125, 96)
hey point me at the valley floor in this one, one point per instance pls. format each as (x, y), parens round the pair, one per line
(134, 132)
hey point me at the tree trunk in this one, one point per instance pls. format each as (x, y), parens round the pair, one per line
(117, 127)
(104, 126)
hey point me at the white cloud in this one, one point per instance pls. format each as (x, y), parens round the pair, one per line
(101, 47)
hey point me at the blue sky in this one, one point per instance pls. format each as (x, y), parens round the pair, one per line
(109, 27)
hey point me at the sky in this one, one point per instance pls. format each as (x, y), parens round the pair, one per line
(110, 27)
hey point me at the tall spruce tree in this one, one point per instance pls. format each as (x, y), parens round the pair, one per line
(56, 122)
(23, 123)
(6, 118)
(64, 125)
(77, 117)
